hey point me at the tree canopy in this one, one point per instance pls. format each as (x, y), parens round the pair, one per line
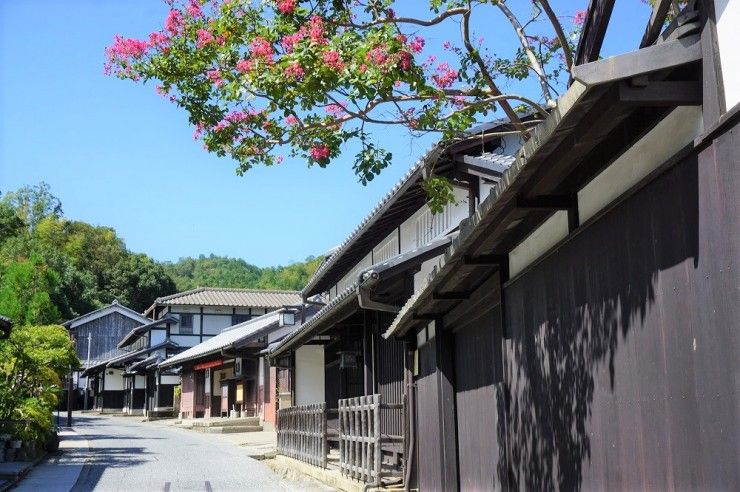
(221, 271)
(303, 77)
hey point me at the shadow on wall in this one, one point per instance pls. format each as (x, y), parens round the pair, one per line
(629, 272)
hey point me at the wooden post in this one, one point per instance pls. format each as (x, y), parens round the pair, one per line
(376, 425)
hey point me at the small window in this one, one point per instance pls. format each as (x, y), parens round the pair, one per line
(186, 324)
(239, 318)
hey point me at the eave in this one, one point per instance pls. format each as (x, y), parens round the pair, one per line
(610, 105)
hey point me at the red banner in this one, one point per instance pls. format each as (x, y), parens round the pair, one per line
(209, 364)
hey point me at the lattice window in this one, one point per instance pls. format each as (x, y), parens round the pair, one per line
(387, 250)
(429, 226)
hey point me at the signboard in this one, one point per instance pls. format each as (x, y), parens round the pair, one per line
(240, 393)
(209, 364)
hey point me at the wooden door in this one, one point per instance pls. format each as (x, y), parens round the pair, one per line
(479, 402)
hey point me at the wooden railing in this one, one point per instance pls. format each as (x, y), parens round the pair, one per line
(301, 433)
(360, 438)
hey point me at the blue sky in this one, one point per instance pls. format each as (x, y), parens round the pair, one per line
(117, 154)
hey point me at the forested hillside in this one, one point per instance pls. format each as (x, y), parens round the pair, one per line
(53, 268)
(220, 271)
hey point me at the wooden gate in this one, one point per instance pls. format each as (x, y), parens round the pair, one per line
(360, 438)
(301, 433)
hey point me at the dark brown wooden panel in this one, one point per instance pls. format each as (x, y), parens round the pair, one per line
(625, 343)
(479, 402)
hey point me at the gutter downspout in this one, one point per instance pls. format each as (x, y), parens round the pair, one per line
(363, 295)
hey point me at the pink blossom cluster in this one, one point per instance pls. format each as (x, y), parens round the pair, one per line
(290, 40)
(335, 110)
(316, 30)
(319, 152)
(579, 18)
(158, 39)
(244, 66)
(124, 48)
(417, 44)
(378, 55)
(404, 60)
(194, 9)
(333, 60)
(294, 71)
(261, 48)
(291, 120)
(198, 131)
(285, 6)
(204, 38)
(174, 23)
(237, 117)
(444, 75)
(215, 77)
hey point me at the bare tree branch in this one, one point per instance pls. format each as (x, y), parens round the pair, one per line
(559, 32)
(533, 61)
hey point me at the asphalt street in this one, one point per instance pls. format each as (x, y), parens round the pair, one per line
(129, 455)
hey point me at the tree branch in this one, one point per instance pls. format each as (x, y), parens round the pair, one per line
(404, 20)
(533, 61)
(510, 113)
(559, 32)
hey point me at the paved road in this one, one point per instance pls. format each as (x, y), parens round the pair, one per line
(128, 455)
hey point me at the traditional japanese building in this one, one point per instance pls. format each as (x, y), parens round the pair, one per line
(96, 335)
(340, 355)
(229, 373)
(182, 321)
(581, 332)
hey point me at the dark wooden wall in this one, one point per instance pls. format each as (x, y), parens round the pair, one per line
(390, 369)
(106, 332)
(624, 358)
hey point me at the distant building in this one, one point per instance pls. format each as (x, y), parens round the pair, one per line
(5, 326)
(96, 335)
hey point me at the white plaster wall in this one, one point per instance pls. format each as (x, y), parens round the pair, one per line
(669, 136)
(539, 242)
(212, 325)
(113, 382)
(309, 374)
(169, 379)
(351, 277)
(420, 277)
(140, 382)
(458, 212)
(158, 336)
(185, 341)
(175, 327)
(390, 238)
(728, 34)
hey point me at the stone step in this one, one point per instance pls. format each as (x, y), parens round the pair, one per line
(228, 430)
(245, 422)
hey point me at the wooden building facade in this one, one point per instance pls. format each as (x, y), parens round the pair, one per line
(339, 358)
(96, 336)
(581, 331)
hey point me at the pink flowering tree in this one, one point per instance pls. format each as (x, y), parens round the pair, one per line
(261, 78)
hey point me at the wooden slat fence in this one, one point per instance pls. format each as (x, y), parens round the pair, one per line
(360, 438)
(301, 433)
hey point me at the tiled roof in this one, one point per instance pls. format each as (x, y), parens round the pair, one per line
(113, 307)
(214, 296)
(224, 339)
(411, 175)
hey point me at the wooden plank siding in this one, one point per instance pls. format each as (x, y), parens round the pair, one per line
(106, 332)
(390, 370)
(622, 361)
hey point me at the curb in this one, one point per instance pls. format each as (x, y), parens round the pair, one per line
(22, 474)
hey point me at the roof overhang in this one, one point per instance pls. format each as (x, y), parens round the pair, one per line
(136, 333)
(350, 300)
(114, 307)
(610, 105)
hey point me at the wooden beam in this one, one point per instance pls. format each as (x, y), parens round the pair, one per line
(426, 317)
(547, 202)
(656, 22)
(663, 56)
(450, 296)
(486, 260)
(594, 29)
(662, 93)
